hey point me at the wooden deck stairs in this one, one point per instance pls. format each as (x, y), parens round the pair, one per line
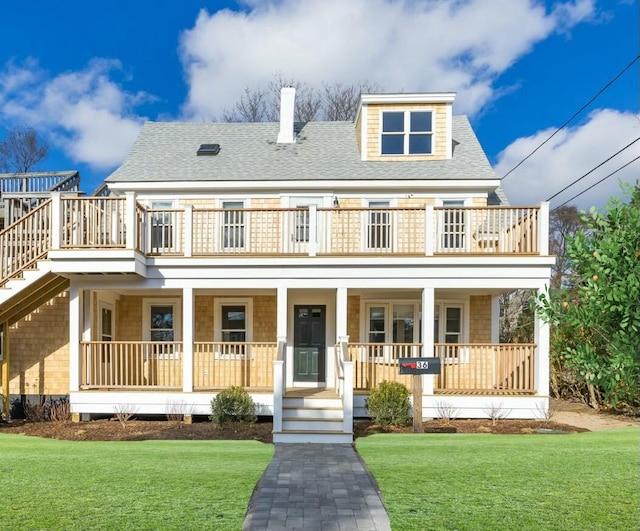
(312, 415)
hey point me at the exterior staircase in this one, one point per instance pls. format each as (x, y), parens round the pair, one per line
(312, 416)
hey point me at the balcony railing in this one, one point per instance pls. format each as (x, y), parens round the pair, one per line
(485, 368)
(120, 223)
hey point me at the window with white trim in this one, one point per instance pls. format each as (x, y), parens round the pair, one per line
(448, 327)
(407, 133)
(379, 225)
(233, 225)
(394, 323)
(162, 326)
(161, 226)
(233, 328)
(453, 225)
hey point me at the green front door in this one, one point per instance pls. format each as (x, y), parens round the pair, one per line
(309, 343)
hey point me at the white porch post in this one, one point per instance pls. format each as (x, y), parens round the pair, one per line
(341, 312)
(130, 221)
(56, 220)
(313, 230)
(543, 229)
(429, 230)
(541, 359)
(495, 318)
(428, 339)
(188, 231)
(187, 340)
(75, 336)
(281, 329)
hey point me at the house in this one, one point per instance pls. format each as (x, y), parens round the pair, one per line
(298, 260)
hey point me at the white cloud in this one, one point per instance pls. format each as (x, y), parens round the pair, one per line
(86, 113)
(400, 44)
(569, 155)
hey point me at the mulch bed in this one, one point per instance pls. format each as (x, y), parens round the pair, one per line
(139, 430)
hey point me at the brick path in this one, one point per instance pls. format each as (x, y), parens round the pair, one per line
(316, 487)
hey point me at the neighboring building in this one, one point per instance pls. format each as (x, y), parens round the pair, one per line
(300, 261)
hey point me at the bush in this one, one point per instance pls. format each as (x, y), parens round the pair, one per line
(233, 405)
(388, 404)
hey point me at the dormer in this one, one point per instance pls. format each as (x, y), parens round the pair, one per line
(405, 127)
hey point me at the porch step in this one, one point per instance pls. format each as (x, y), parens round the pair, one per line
(313, 437)
(310, 416)
(311, 424)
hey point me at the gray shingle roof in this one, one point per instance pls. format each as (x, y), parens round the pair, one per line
(166, 151)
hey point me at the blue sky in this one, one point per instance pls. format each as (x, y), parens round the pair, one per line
(86, 75)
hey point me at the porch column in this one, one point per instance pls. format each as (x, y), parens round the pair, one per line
(495, 318)
(187, 340)
(341, 313)
(281, 329)
(56, 220)
(76, 329)
(131, 220)
(541, 358)
(428, 339)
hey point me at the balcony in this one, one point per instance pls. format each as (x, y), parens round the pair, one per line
(97, 223)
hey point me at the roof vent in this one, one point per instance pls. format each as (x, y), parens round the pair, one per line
(209, 149)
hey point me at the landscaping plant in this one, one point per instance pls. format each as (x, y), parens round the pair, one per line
(596, 314)
(388, 404)
(233, 405)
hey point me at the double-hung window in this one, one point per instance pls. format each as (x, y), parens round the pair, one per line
(161, 226)
(448, 328)
(379, 225)
(162, 321)
(233, 225)
(407, 133)
(392, 323)
(233, 328)
(453, 225)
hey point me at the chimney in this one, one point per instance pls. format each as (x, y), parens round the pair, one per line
(287, 104)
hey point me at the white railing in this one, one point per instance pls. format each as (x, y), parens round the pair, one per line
(128, 364)
(218, 365)
(279, 384)
(25, 242)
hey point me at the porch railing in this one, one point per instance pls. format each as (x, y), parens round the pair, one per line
(126, 364)
(497, 368)
(482, 368)
(221, 364)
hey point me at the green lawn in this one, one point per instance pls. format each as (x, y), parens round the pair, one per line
(582, 481)
(52, 485)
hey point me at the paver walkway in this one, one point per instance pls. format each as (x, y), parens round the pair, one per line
(316, 487)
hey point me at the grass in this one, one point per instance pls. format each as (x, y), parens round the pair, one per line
(579, 481)
(49, 484)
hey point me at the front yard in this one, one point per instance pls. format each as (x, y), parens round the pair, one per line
(580, 481)
(51, 484)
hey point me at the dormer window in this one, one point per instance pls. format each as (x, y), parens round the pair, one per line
(407, 133)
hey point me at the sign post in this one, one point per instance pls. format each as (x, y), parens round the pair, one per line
(417, 367)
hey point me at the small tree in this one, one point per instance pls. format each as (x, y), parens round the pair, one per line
(597, 318)
(21, 150)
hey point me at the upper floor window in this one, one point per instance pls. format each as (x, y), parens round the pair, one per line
(233, 225)
(407, 133)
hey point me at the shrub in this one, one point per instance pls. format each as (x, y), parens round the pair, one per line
(388, 404)
(233, 405)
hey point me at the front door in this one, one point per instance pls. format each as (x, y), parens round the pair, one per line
(309, 343)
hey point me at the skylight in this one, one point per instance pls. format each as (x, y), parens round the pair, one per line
(209, 149)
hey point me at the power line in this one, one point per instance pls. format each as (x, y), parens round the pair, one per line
(594, 169)
(573, 116)
(597, 183)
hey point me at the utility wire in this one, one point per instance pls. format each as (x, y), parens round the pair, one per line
(594, 169)
(573, 116)
(597, 183)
